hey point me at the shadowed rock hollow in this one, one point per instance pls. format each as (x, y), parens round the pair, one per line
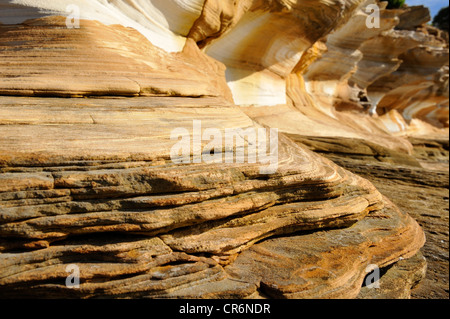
(89, 119)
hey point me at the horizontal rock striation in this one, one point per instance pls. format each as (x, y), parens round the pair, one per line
(421, 190)
(51, 190)
(91, 178)
(96, 60)
(112, 215)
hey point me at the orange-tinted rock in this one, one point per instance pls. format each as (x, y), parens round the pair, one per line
(95, 183)
(52, 60)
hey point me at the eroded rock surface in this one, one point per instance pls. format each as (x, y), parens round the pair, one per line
(103, 183)
(89, 178)
(422, 191)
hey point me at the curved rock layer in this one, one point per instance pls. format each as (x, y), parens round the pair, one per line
(265, 45)
(117, 180)
(110, 200)
(165, 23)
(351, 74)
(97, 60)
(96, 183)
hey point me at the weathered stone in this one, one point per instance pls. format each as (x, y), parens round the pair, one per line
(398, 280)
(423, 193)
(89, 179)
(328, 264)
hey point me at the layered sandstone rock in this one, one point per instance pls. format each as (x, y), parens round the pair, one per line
(99, 60)
(330, 57)
(105, 195)
(96, 183)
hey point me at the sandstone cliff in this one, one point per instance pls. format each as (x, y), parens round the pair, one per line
(87, 169)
